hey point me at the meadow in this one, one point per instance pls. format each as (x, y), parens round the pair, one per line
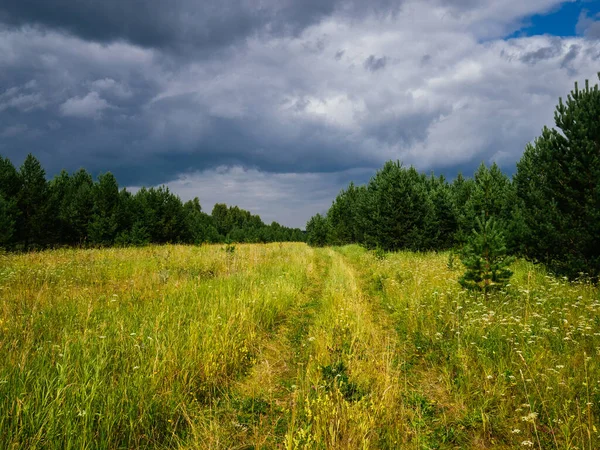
(286, 346)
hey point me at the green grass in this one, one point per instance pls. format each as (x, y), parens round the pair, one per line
(284, 346)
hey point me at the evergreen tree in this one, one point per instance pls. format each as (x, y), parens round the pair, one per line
(558, 181)
(103, 227)
(8, 215)
(484, 257)
(441, 229)
(10, 182)
(492, 194)
(10, 185)
(33, 204)
(317, 231)
(398, 209)
(58, 188)
(77, 207)
(343, 216)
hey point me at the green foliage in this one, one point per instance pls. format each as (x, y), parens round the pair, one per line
(138, 236)
(103, 227)
(344, 216)
(558, 181)
(451, 263)
(33, 202)
(8, 216)
(398, 209)
(72, 209)
(379, 253)
(484, 257)
(317, 231)
(10, 182)
(443, 225)
(336, 376)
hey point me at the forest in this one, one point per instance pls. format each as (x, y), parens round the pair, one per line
(76, 210)
(548, 212)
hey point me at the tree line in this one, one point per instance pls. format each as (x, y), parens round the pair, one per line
(548, 212)
(76, 210)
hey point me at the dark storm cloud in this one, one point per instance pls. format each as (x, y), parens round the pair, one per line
(274, 99)
(189, 25)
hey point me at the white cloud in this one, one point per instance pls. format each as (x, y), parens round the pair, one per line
(111, 87)
(277, 197)
(89, 106)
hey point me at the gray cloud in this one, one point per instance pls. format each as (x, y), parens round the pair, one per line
(89, 106)
(374, 64)
(588, 25)
(187, 25)
(540, 54)
(22, 98)
(289, 117)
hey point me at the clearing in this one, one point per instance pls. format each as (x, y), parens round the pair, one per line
(287, 346)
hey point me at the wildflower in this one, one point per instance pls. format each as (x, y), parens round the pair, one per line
(527, 444)
(516, 431)
(529, 417)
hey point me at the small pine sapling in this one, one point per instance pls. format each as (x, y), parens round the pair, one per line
(485, 259)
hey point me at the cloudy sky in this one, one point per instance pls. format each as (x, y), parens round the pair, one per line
(275, 105)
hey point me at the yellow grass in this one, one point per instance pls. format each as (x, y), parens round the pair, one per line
(285, 346)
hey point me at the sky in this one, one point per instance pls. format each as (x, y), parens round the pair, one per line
(276, 105)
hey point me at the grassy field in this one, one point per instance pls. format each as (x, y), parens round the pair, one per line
(285, 346)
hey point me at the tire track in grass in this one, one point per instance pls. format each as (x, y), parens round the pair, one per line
(348, 396)
(256, 411)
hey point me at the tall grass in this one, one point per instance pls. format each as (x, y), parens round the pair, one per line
(284, 346)
(123, 348)
(519, 370)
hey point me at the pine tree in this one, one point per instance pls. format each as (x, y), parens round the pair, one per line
(10, 185)
(493, 193)
(8, 215)
(558, 181)
(33, 204)
(398, 209)
(317, 231)
(484, 257)
(103, 225)
(10, 182)
(342, 216)
(442, 229)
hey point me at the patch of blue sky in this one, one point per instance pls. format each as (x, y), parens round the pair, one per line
(561, 21)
